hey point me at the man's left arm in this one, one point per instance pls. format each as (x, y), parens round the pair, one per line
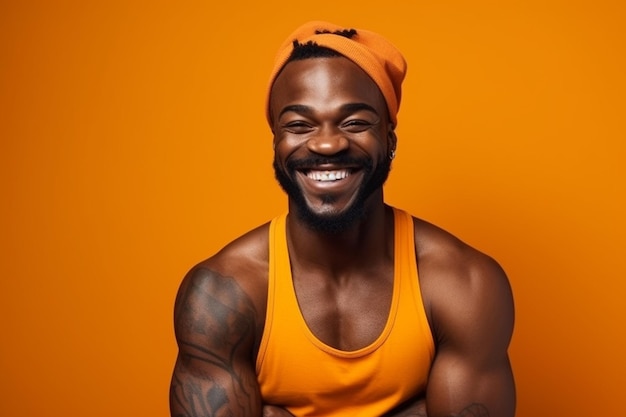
(473, 317)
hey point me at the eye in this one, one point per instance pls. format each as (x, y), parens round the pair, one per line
(356, 125)
(297, 127)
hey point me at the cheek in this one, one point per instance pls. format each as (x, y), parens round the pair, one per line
(286, 145)
(372, 143)
(282, 152)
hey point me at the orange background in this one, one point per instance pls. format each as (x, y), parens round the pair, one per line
(133, 145)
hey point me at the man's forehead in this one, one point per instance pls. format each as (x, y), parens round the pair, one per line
(336, 79)
(318, 73)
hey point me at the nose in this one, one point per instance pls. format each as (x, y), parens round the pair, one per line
(328, 143)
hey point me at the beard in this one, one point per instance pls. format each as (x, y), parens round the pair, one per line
(374, 178)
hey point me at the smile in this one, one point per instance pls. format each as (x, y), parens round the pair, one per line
(327, 175)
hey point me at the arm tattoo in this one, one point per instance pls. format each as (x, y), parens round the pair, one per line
(473, 410)
(215, 329)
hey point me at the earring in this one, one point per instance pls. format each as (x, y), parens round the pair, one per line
(392, 154)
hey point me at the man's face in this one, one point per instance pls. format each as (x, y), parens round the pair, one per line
(332, 138)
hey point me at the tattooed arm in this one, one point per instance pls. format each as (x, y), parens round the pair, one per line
(215, 326)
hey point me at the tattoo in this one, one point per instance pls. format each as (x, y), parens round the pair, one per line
(215, 327)
(473, 410)
(419, 410)
(418, 413)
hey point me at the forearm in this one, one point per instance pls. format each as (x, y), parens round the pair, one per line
(418, 409)
(273, 411)
(415, 407)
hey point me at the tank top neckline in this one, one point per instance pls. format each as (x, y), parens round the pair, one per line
(393, 308)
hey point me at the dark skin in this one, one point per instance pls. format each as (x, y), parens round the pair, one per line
(343, 281)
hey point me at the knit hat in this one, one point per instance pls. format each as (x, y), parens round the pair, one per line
(381, 60)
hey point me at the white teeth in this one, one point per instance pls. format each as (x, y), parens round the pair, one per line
(328, 175)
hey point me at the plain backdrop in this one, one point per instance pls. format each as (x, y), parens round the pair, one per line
(133, 145)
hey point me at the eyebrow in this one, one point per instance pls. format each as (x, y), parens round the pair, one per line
(296, 108)
(346, 108)
(355, 107)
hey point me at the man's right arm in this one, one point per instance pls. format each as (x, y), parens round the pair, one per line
(214, 374)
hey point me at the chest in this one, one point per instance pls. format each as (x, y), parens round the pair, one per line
(347, 314)
(330, 343)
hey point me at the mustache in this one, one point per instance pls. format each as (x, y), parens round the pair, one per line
(339, 160)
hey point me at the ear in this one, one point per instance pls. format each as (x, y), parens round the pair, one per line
(392, 139)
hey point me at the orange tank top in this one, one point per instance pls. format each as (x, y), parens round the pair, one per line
(298, 371)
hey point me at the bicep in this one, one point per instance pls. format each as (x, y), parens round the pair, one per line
(214, 374)
(471, 374)
(458, 387)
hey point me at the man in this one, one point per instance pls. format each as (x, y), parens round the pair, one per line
(345, 306)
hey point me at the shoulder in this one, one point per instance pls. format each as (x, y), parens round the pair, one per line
(233, 281)
(463, 288)
(245, 259)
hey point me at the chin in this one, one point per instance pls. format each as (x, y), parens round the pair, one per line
(331, 221)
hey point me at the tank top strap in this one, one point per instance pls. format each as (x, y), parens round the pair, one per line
(407, 270)
(278, 258)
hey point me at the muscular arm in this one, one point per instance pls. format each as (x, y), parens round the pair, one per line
(472, 313)
(214, 373)
(472, 319)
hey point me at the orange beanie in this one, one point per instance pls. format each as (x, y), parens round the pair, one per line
(374, 54)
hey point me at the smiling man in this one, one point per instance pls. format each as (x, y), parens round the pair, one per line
(344, 306)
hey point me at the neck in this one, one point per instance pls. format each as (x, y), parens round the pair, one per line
(366, 243)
